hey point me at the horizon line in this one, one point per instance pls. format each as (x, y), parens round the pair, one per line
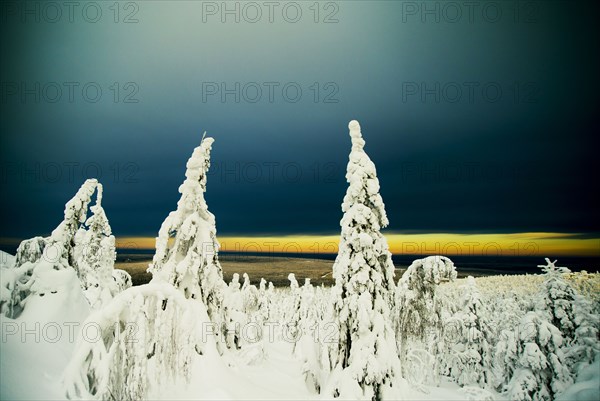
(475, 244)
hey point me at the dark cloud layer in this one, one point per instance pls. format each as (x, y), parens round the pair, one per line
(475, 126)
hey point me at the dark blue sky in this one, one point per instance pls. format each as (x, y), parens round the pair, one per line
(486, 124)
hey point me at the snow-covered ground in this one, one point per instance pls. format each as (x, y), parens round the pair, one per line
(38, 345)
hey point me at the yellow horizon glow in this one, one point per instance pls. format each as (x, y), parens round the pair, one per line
(540, 244)
(516, 244)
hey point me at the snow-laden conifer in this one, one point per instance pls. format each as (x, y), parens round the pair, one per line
(55, 252)
(187, 247)
(365, 357)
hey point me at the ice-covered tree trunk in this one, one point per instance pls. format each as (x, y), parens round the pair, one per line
(365, 358)
(191, 263)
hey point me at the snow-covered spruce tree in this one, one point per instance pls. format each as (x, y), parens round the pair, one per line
(470, 357)
(558, 300)
(30, 250)
(308, 347)
(365, 358)
(308, 308)
(95, 254)
(539, 371)
(51, 253)
(306, 316)
(249, 296)
(571, 314)
(191, 264)
(263, 303)
(585, 347)
(291, 313)
(236, 318)
(419, 324)
(157, 331)
(62, 239)
(506, 312)
(15, 280)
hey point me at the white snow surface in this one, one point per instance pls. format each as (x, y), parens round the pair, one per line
(33, 369)
(37, 345)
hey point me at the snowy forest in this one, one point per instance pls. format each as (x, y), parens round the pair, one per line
(74, 327)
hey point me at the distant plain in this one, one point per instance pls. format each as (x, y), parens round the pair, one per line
(276, 268)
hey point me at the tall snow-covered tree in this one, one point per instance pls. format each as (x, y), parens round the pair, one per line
(168, 316)
(365, 358)
(191, 263)
(95, 254)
